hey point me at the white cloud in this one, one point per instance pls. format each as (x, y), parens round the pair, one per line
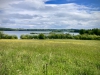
(37, 14)
(5, 3)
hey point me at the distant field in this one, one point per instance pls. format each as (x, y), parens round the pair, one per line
(49, 57)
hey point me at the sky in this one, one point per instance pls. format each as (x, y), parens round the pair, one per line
(50, 14)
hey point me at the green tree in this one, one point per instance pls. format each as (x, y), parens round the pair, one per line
(82, 31)
(41, 36)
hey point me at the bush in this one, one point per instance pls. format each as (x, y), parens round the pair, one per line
(35, 37)
(41, 36)
(26, 37)
(1, 34)
(56, 36)
(69, 36)
(14, 37)
(6, 36)
(51, 36)
(77, 37)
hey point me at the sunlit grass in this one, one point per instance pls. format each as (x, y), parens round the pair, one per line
(49, 57)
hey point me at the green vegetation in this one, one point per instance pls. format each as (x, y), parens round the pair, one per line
(41, 36)
(61, 36)
(94, 31)
(6, 36)
(49, 57)
(89, 34)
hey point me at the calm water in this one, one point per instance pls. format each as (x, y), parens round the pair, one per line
(19, 33)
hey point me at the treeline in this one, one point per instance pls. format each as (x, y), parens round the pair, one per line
(94, 31)
(54, 30)
(6, 36)
(61, 36)
(7, 29)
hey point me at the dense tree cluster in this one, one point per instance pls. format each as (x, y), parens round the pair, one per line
(95, 31)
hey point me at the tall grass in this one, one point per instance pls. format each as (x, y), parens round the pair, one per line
(49, 57)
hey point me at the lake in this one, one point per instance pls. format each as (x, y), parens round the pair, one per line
(19, 33)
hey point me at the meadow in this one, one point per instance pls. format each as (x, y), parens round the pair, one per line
(49, 57)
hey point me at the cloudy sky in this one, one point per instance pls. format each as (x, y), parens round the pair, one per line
(44, 14)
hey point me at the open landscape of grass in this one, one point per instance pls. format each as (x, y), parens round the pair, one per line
(49, 57)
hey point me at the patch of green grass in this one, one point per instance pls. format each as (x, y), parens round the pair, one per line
(49, 57)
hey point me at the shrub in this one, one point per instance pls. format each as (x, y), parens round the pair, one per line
(77, 37)
(35, 37)
(69, 36)
(41, 36)
(6, 36)
(14, 37)
(26, 37)
(23, 37)
(1, 34)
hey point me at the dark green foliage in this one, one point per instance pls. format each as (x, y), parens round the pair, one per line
(82, 31)
(41, 36)
(95, 31)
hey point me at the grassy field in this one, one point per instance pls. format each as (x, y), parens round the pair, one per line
(49, 57)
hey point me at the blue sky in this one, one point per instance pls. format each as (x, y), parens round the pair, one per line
(95, 3)
(86, 2)
(44, 14)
